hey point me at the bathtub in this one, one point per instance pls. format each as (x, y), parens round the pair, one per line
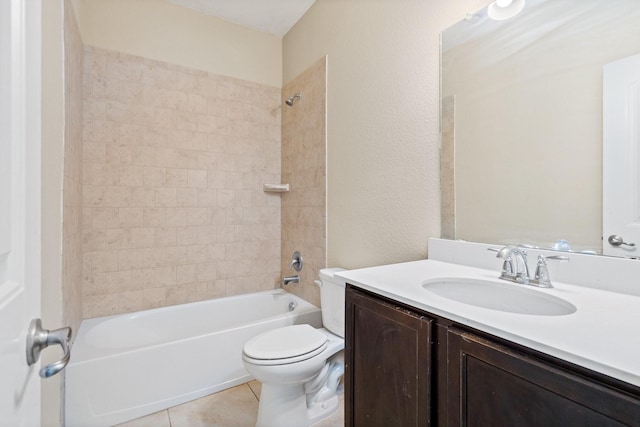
(125, 366)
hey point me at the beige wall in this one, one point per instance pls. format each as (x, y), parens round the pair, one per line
(382, 121)
(174, 160)
(304, 169)
(157, 29)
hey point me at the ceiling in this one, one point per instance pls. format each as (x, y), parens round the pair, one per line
(269, 16)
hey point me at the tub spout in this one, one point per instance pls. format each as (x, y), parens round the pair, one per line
(290, 279)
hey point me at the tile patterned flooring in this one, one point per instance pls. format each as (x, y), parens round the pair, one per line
(235, 407)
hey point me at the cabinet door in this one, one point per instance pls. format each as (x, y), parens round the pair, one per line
(493, 385)
(388, 364)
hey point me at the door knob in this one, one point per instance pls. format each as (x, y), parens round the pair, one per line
(38, 339)
(615, 240)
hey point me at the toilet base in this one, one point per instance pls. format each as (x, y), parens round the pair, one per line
(286, 406)
(301, 393)
(322, 410)
(282, 406)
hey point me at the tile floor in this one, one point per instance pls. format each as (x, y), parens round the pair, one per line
(235, 407)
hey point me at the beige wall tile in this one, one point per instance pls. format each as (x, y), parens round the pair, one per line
(197, 178)
(186, 235)
(154, 298)
(143, 197)
(117, 196)
(143, 237)
(94, 240)
(186, 273)
(173, 174)
(176, 294)
(167, 197)
(143, 278)
(131, 301)
(130, 217)
(165, 276)
(177, 177)
(165, 236)
(216, 289)
(176, 255)
(197, 291)
(154, 217)
(303, 167)
(196, 254)
(153, 177)
(99, 305)
(177, 216)
(187, 197)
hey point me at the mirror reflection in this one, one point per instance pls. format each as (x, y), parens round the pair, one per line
(522, 121)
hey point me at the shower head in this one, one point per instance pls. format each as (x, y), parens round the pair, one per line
(291, 100)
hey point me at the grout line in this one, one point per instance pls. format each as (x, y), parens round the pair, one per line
(253, 392)
(169, 418)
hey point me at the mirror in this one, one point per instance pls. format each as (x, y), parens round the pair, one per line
(522, 121)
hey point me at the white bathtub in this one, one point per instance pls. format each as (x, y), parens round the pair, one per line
(125, 366)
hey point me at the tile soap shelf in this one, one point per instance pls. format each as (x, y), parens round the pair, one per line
(275, 188)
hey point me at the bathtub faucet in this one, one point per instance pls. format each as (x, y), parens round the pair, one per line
(290, 279)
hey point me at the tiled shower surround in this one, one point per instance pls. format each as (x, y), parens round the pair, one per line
(304, 168)
(174, 161)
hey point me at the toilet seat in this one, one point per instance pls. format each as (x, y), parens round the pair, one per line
(285, 345)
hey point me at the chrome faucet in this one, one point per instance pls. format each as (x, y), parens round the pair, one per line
(290, 279)
(515, 267)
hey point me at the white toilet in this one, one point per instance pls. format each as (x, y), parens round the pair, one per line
(300, 367)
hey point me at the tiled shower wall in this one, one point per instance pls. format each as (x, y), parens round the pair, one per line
(304, 168)
(174, 160)
(72, 181)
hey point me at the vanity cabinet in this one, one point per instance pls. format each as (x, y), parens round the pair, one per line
(490, 384)
(405, 367)
(388, 364)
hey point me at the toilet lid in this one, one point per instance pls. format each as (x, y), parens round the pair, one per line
(285, 343)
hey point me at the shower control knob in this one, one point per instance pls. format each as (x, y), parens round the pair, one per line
(296, 261)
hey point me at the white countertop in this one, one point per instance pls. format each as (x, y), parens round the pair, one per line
(601, 335)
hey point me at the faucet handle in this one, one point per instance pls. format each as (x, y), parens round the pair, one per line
(541, 277)
(296, 261)
(508, 266)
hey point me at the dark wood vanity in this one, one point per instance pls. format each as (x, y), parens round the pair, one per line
(406, 367)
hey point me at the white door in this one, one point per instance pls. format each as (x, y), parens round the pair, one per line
(621, 158)
(19, 207)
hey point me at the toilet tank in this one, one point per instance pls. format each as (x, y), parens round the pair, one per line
(332, 291)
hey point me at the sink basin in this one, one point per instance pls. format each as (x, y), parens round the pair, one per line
(507, 297)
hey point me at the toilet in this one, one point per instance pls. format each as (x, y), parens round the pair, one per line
(301, 367)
